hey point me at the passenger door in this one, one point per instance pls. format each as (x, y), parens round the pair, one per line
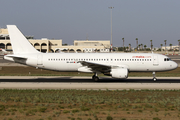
(155, 60)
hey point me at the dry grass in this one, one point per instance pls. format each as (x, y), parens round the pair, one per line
(89, 104)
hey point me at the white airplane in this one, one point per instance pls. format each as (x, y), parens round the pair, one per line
(117, 65)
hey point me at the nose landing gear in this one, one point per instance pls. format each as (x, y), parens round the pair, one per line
(154, 77)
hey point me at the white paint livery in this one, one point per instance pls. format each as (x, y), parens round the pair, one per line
(116, 65)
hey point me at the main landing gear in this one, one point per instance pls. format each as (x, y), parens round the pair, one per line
(154, 76)
(95, 77)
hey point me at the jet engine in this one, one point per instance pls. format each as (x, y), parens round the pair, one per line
(120, 73)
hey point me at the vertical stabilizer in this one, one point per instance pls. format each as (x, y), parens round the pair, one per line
(20, 44)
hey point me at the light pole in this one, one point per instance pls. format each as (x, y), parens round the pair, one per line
(111, 26)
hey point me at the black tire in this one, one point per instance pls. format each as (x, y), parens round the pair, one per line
(96, 79)
(154, 79)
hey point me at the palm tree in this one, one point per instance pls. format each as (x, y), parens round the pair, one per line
(165, 44)
(129, 47)
(137, 43)
(145, 47)
(170, 46)
(123, 43)
(151, 44)
(141, 46)
(161, 47)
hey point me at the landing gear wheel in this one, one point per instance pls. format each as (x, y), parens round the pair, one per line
(154, 79)
(96, 79)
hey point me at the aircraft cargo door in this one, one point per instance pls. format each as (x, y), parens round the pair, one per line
(155, 60)
(39, 59)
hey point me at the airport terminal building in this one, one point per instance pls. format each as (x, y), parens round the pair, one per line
(52, 45)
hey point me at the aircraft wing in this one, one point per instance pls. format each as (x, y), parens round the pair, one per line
(96, 67)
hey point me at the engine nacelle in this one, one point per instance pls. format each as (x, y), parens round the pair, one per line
(119, 73)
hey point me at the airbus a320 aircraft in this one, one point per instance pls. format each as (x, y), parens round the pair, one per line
(117, 65)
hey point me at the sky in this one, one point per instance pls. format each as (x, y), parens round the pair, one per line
(70, 20)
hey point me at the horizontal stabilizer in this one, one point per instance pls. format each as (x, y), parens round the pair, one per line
(15, 56)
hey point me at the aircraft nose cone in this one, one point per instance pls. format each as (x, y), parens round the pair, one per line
(174, 65)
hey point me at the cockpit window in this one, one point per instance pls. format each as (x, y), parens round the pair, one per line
(167, 59)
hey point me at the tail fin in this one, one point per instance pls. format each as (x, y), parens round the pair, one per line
(20, 44)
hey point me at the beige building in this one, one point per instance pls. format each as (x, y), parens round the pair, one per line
(51, 45)
(171, 47)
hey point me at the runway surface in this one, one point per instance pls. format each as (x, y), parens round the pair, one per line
(42, 82)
